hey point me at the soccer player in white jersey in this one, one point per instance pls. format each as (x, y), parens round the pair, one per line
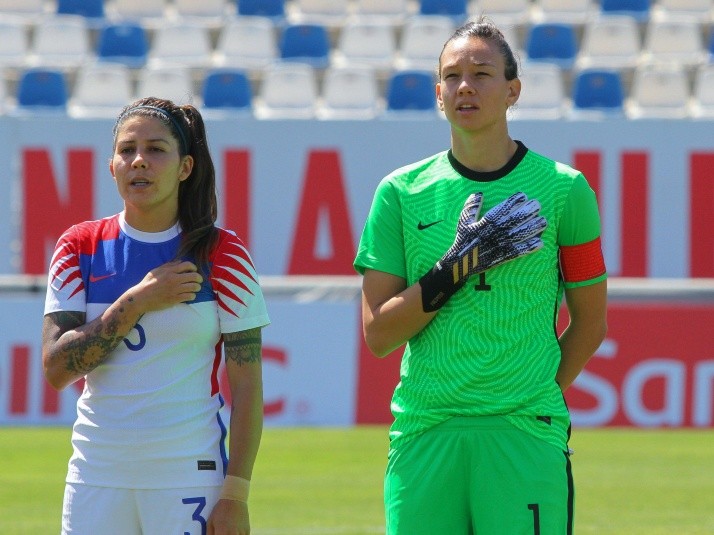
(466, 256)
(141, 306)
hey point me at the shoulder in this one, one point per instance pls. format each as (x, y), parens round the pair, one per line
(87, 234)
(107, 227)
(229, 248)
(557, 169)
(409, 172)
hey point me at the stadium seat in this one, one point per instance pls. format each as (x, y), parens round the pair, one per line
(422, 38)
(273, 9)
(659, 91)
(349, 93)
(702, 105)
(330, 13)
(455, 9)
(610, 41)
(503, 12)
(366, 43)
(597, 92)
(101, 90)
(123, 42)
(701, 10)
(210, 14)
(227, 90)
(91, 10)
(26, 11)
(172, 82)
(542, 93)
(553, 43)
(391, 12)
(411, 91)
(181, 43)
(41, 89)
(305, 43)
(639, 9)
(151, 14)
(674, 40)
(246, 43)
(576, 12)
(287, 91)
(60, 41)
(14, 45)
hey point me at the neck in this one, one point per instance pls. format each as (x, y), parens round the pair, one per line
(149, 222)
(482, 153)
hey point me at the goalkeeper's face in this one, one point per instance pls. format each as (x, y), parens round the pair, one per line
(473, 91)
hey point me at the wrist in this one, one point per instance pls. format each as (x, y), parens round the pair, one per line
(235, 488)
(437, 286)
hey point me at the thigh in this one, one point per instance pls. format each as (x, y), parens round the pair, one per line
(89, 510)
(426, 486)
(183, 511)
(523, 485)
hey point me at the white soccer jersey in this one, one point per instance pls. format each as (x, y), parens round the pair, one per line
(149, 416)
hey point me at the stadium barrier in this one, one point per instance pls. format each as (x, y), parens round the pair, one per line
(655, 368)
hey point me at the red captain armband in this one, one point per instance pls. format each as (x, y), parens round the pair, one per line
(582, 262)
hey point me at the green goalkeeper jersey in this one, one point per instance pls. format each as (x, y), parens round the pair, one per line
(492, 349)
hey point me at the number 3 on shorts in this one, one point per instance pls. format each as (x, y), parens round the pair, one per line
(200, 503)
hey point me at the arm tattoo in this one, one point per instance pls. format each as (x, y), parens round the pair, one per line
(86, 350)
(243, 347)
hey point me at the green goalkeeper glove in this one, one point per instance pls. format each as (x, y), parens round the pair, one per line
(508, 230)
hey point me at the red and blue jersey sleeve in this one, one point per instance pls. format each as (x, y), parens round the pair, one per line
(235, 284)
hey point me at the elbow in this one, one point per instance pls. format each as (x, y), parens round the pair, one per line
(378, 345)
(602, 331)
(54, 377)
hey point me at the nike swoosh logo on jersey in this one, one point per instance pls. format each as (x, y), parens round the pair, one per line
(93, 278)
(422, 226)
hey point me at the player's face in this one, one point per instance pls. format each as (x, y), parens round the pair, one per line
(148, 168)
(473, 91)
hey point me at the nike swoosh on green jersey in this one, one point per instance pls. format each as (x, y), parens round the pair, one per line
(422, 226)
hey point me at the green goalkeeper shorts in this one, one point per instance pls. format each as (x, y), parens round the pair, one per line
(478, 475)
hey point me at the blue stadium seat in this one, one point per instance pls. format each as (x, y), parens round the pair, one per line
(227, 90)
(92, 10)
(124, 43)
(598, 90)
(411, 91)
(42, 88)
(639, 9)
(274, 9)
(456, 9)
(306, 43)
(552, 42)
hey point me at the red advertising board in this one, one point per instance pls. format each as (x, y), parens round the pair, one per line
(654, 369)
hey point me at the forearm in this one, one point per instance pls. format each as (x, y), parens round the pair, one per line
(246, 429)
(70, 354)
(577, 344)
(392, 323)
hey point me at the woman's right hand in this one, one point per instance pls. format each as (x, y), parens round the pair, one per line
(167, 285)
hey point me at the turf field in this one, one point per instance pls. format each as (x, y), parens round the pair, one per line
(325, 481)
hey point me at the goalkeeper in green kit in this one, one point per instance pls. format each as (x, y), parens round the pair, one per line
(466, 257)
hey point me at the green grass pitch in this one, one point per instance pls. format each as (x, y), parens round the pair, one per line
(327, 481)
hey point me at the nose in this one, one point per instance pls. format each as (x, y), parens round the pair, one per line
(139, 162)
(465, 87)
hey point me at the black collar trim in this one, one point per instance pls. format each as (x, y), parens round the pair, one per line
(489, 176)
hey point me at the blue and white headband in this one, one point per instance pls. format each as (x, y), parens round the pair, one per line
(164, 113)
